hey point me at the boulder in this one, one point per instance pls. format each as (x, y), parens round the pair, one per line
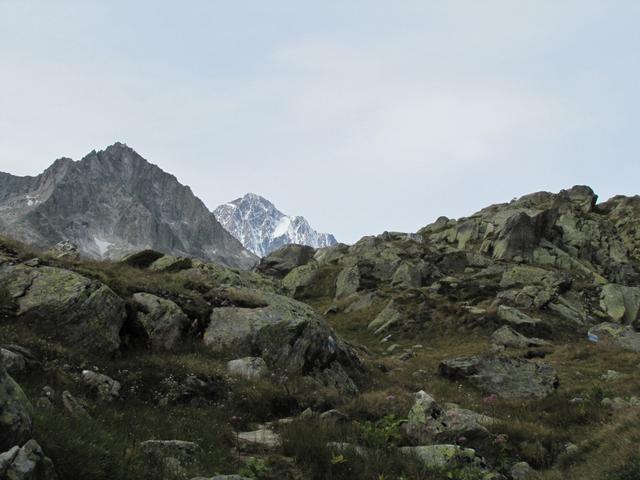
(289, 336)
(505, 376)
(15, 418)
(13, 361)
(301, 279)
(171, 264)
(280, 262)
(66, 307)
(443, 456)
(616, 335)
(66, 250)
(508, 337)
(362, 302)
(522, 471)
(26, 463)
(142, 259)
(518, 237)
(105, 389)
(74, 406)
(388, 317)
(621, 303)
(428, 422)
(162, 320)
(517, 318)
(264, 438)
(248, 367)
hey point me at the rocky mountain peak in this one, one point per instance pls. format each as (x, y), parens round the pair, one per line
(262, 228)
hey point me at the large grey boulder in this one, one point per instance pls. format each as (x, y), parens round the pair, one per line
(282, 261)
(26, 463)
(289, 336)
(66, 307)
(348, 281)
(508, 337)
(505, 376)
(428, 422)
(162, 320)
(15, 418)
(621, 303)
(623, 337)
(248, 367)
(103, 388)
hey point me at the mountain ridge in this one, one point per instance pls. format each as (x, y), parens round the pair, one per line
(113, 202)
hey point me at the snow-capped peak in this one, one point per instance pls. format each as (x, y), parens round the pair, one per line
(262, 228)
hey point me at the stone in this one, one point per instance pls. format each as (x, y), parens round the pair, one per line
(282, 261)
(13, 361)
(387, 318)
(162, 320)
(142, 259)
(289, 336)
(26, 463)
(516, 317)
(522, 471)
(442, 456)
(248, 367)
(362, 302)
(334, 416)
(507, 337)
(407, 275)
(621, 303)
(15, 416)
(616, 336)
(160, 450)
(171, 264)
(429, 422)
(299, 281)
(507, 377)
(105, 389)
(66, 307)
(347, 282)
(262, 438)
(74, 406)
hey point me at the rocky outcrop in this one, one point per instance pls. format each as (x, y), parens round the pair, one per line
(505, 376)
(248, 367)
(162, 320)
(111, 203)
(509, 338)
(65, 306)
(281, 261)
(289, 336)
(105, 389)
(616, 336)
(621, 303)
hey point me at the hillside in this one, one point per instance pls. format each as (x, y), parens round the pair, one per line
(503, 345)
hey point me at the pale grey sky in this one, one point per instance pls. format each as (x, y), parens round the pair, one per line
(363, 116)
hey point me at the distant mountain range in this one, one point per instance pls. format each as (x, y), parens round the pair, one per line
(262, 228)
(111, 203)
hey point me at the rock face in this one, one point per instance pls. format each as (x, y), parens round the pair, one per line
(262, 228)
(289, 336)
(281, 261)
(162, 320)
(112, 203)
(505, 376)
(15, 420)
(66, 306)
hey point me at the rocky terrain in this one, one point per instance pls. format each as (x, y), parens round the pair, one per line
(262, 228)
(504, 345)
(111, 203)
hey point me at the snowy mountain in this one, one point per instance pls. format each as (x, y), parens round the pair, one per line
(262, 228)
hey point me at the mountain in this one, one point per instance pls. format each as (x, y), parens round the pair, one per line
(111, 203)
(262, 228)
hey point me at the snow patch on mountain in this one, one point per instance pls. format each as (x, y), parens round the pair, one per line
(262, 228)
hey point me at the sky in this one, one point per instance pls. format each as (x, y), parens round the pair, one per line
(362, 116)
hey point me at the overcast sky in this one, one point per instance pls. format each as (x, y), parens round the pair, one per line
(363, 116)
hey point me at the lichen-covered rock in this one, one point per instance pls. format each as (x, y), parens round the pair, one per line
(248, 367)
(142, 259)
(443, 456)
(280, 262)
(162, 320)
(505, 376)
(428, 422)
(171, 264)
(618, 336)
(66, 307)
(66, 250)
(15, 418)
(388, 317)
(516, 317)
(299, 280)
(288, 335)
(103, 388)
(508, 337)
(26, 463)
(347, 282)
(13, 361)
(621, 303)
